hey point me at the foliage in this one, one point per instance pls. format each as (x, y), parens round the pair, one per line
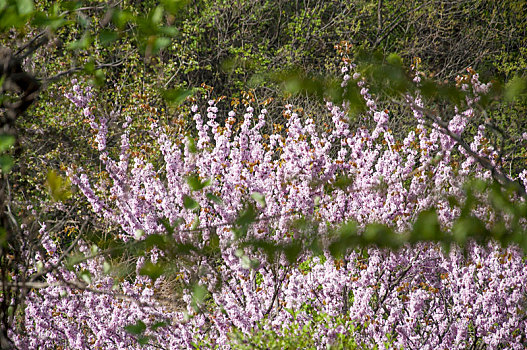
(285, 201)
(390, 218)
(300, 335)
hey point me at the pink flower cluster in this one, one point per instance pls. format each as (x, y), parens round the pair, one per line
(418, 297)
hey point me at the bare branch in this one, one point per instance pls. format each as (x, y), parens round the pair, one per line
(78, 69)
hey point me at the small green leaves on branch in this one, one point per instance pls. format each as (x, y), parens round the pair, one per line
(59, 187)
(6, 162)
(176, 96)
(196, 184)
(190, 203)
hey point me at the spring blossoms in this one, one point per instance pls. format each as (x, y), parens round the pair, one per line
(418, 297)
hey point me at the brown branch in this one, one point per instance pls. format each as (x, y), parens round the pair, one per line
(31, 44)
(17, 81)
(379, 17)
(78, 69)
(498, 175)
(383, 33)
(61, 258)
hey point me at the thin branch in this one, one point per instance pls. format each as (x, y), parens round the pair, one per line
(484, 162)
(61, 258)
(379, 17)
(28, 44)
(78, 69)
(396, 21)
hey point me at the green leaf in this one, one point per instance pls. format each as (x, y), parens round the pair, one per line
(195, 222)
(355, 99)
(514, 88)
(297, 81)
(170, 226)
(184, 248)
(428, 88)
(256, 80)
(73, 260)
(451, 94)
(10, 18)
(6, 163)
(190, 203)
(452, 201)
(499, 199)
(6, 141)
(268, 247)
(214, 242)
(245, 262)
(169, 31)
(94, 249)
(154, 271)
(394, 59)
(83, 22)
(246, 218)
(160, 43)
(176, 96)
(157, 15)
(155, 240)
(25, 7)
(137, 328)
(83, 43)
(174, 6)
(379, 235)
(292, 251)
(347, 238)
(499, 231)
(426, 227)
(199, 293)
(157, 325)
(58, 186)
(89, 67)
(348, 231)
(214, 198)
(259, 198)
(108, 36)
(106, 267)
(343, 182)
(196, 184)
(192, 145)
(99, 77)
(71, 5)
(41, 19)
(85, 275)
(335, 250)
(469, 227)
(121, 18)
(138, 234)
(143, 340)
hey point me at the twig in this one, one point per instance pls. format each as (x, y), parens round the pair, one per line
(62, 257)
(485, 163)
(77, 69)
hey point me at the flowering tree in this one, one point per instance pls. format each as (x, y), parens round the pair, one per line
(260, 226)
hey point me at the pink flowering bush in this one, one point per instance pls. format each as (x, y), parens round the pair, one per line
(418, 297)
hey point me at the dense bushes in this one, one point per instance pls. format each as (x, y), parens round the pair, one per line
(238, 220)
(248, 222)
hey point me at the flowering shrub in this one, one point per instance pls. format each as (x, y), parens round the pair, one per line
(294, 184)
